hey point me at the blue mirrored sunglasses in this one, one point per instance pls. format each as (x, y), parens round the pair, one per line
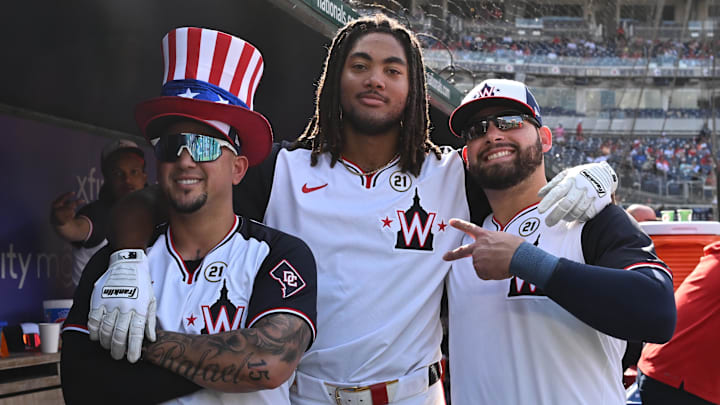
(505, 122)
(202, 148)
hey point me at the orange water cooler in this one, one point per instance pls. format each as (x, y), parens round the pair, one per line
(680, 244)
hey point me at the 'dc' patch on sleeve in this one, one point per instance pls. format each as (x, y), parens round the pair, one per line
(289, 279)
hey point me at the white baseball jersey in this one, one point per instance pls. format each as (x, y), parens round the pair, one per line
(511, 344)
(378, 241)
(253, 272)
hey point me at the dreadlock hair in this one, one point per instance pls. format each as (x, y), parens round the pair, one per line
(324, 131)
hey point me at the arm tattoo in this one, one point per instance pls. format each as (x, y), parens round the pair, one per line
(286, 336)
(234, 357)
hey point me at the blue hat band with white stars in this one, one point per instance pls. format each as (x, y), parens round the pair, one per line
(199, 90)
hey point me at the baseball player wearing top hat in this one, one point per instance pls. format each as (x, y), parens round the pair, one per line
(371, 195)
(546, 310)
(236, 300)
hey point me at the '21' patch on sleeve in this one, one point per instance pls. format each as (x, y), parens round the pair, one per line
(288, 277)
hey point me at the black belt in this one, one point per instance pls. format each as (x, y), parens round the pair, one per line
(434, 373)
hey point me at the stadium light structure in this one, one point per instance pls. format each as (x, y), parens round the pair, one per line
(452, 67)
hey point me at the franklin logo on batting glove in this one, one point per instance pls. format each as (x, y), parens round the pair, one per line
(126, 287)
(119, 292)
(595, 183)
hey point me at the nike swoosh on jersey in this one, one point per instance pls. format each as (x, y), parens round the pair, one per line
(306, 189)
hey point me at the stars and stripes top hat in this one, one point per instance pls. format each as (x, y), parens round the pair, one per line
(211, 77)
(492, 92)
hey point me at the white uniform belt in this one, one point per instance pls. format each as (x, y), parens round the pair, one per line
(379, 393)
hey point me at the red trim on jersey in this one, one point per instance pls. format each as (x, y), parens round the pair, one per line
(651, 265)
(368, 179)
(193, 275)
(75, 327)
(517, 214)
(353, 164)
(232, 230)
(284, 310)
(183, 268)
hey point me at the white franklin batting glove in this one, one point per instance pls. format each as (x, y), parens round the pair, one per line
(578, 193)
(122, 306)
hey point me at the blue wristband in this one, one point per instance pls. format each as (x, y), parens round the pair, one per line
(533, 264)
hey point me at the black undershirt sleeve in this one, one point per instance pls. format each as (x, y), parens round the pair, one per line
(251, 196)
(632, 305)
(90, 376)
(98, 212)
(623, 291)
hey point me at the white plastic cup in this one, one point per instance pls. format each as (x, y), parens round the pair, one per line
(668, 215)
(49, 337)
(684, 215)
(56, 310)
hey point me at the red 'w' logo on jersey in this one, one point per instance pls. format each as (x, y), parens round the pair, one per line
(418, 234)
(520, 287)
(416, 227)
(221, 321)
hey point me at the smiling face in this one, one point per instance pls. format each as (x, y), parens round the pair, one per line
(125, 173)
(502, 159)
(189, 185)
(374, 84)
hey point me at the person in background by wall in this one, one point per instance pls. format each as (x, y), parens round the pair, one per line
(560, 134)
(686, 370)
(641, 212)
(122, 164)
(579, 131)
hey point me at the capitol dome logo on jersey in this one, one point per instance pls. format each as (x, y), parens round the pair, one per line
(415, 227)
(223, 315)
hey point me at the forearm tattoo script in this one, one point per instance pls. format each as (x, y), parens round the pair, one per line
(231, 357)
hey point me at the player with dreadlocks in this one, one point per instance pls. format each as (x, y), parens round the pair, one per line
(376, 223)
(325, 131)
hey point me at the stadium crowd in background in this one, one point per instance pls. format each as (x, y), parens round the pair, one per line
(659, 164)
(577, 47)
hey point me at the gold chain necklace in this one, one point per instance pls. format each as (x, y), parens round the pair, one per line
(352, 169)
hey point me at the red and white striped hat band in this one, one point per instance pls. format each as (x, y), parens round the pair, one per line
(214, 57)
(211, 77)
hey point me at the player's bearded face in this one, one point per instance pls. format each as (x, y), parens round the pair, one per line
(187, 204)
(371, 124)
(182, 197)
(374, 84)
(508, 174)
